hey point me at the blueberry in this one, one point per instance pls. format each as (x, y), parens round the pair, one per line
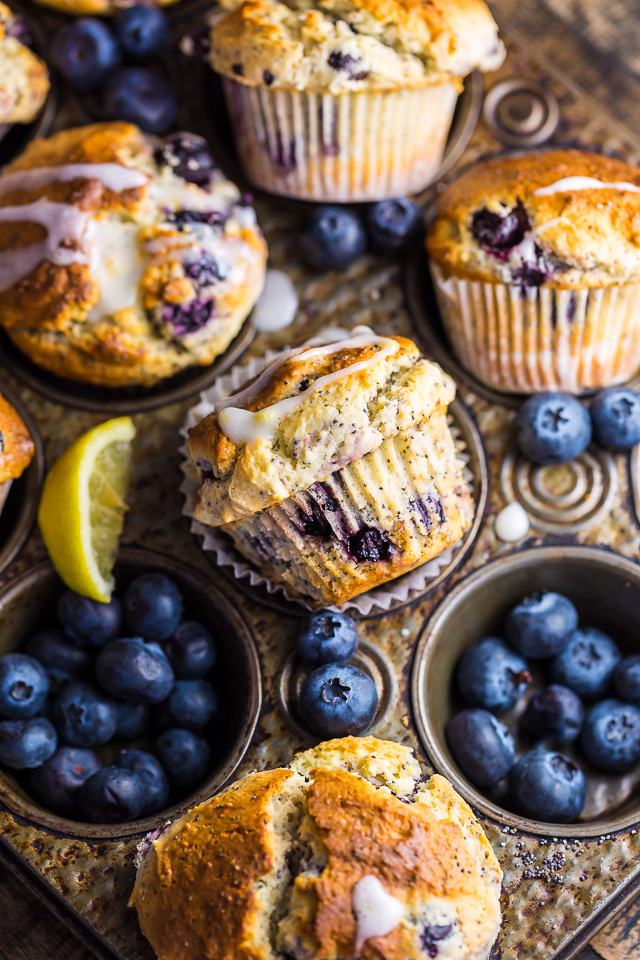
(610, 737)
(192, 704)
(188, 156)
(132, 720)
(83, 716)
(587, 663)
(62, 659)
(57, 782)
(491, 675)
(152, 606)
(187, 318)
(338, 700)
(111, 795)
(553, 428)
(142, 31)
(548, 786)
(133, 670)
(615, 414)
(626, 679)
(540, 625)
(554, 713)
(191, 650)
(149, 771)
(89, 623)
(497, 231)
(24, 686)
(393, 223)
(332, 238)
(85, 51)
(482, 746)
(140, 96)
(185, 757)
(327, 637)
(27, 743)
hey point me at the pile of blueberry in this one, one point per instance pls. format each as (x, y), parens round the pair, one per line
(584, 667)
(115, 673)
(94, 55)
(556, 427)
(337, 699)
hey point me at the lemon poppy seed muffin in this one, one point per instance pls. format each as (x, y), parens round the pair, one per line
(16, 448)
(24, 78)
(536, 264)
(324, 96)
(122, 262)
(335, 470)
(345, 853)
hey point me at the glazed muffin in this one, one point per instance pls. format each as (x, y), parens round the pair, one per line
(16, 448)
(123, 260)
(24, 79)
(324, 96)
(345, 853)
(335, 470)
(536, 264)
(100, 8)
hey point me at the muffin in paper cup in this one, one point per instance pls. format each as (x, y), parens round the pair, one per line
(536, 269)
(349, 104)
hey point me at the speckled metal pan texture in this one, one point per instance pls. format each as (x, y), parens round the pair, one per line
(560, 885)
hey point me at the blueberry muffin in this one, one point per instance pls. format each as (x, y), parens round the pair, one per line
(536, 263)
(324, 96)
(345, 853)
(100, 8)
(335, 470)
(123, 260)
(16, 448)
(24, 79)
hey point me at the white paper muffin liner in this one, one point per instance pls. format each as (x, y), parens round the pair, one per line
(219, 544)
(353, 146)
(537, 338)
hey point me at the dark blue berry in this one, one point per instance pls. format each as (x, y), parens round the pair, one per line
(185, 757)
(83, 716)
(191, 650)
(393, 223)
(610, 737)
(85, 51)
(491, 675)
(338, 700)
(56, 784)
(626, 679)
(482, 746)
(25, 744)
(143, 31)
(62, 659)
(184, 218)
(132, 720)
(149, 771)
(140, 96)
(152, 606)
(548, 786)
(89, 623)
(111, 795)
(432, 936)
(205, 270)
(192, 704)
(498, 232)
(332, 238)
(187, 318)
(133, 670)
(24, 686)
(587, 663)
(188, 156)
(554, 713)
(541, 624)
(327, 637)
(615, 414)
(370, 545)
(553, 428)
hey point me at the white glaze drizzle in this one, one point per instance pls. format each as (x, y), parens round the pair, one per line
(116, 264)
(377, 912)
(277, 305)
(64, 223)
(584, 183)
(114, 176)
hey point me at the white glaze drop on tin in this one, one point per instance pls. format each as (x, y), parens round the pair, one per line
(114, 176)
(63, 223)
(377, 911)
(568, 184)
(512, 523)
(277, 305)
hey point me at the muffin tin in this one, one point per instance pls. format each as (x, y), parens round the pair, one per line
(561, 883)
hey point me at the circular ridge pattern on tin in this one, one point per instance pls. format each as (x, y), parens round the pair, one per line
(562, 498)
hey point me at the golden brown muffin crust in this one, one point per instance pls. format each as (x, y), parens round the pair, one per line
(16, 446)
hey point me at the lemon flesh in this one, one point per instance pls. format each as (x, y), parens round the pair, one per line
(83, 504)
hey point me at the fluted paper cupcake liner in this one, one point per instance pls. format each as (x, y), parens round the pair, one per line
(538, 338)
(353, 146)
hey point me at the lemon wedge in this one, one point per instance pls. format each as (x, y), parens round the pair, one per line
(82, 507)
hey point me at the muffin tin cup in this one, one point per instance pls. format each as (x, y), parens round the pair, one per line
(604, 587)
(26, 605)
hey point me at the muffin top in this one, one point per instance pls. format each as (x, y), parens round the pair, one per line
(562, 219)
(16, 446)
(121, 258)
(80, 8)
(24, 78)
(340, 46)
(310, 412)
(345, 853)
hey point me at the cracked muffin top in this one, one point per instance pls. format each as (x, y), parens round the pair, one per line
(344, 45)
(24, 78)
(563, 219)
(310, 412)
(345, 853)
(123, 260)
(16, 445)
